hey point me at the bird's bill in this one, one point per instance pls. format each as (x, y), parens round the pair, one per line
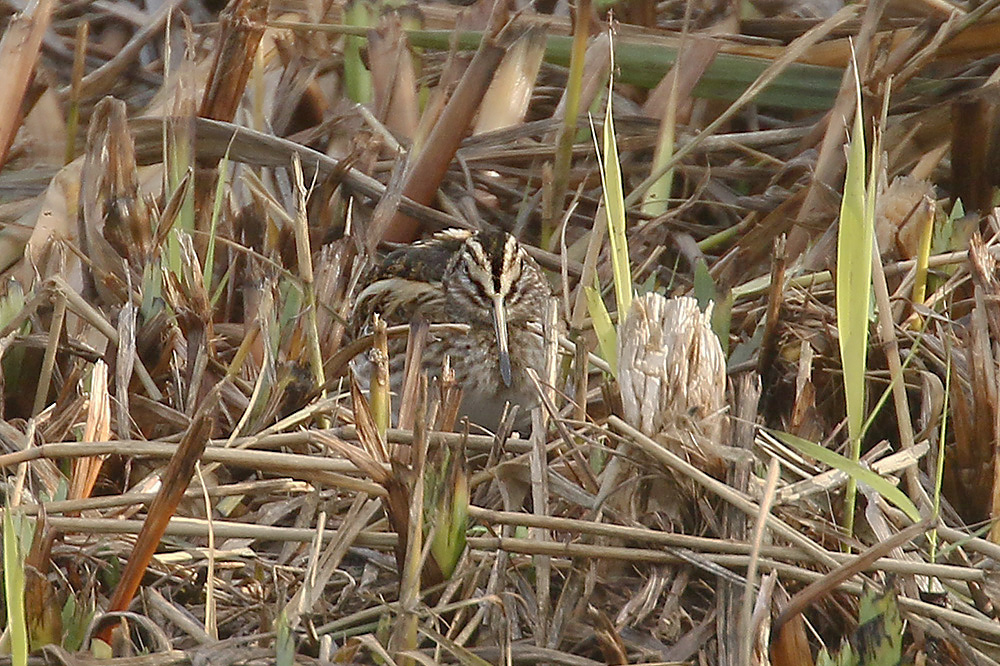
(500, 325)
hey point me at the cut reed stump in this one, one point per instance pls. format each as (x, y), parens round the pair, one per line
(672, 374)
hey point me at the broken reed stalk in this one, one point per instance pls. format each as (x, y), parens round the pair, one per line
(242, 26)
(176, 478)
(426, 171)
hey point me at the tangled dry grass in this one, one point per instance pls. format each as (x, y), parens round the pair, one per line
(189, 199)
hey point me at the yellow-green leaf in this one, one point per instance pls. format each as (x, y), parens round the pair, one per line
(614, 207)
(854, 279)
(854, 257)
(853, 469)
(13, 579)
(607, 340)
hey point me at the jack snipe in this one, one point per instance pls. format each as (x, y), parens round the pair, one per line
(483, 279)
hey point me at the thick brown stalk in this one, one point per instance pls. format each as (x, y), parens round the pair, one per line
(425, 173)
(243, 25)
(974, 152)
(821, 587)
(176, 478)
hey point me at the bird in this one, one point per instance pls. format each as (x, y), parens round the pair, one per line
(483, 279)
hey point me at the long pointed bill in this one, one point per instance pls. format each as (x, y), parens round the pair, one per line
(500, 325)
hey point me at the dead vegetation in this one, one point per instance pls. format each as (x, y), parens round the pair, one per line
(189, 198)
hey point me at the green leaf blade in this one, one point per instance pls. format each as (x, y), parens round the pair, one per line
(854, 270)
(607, 339)
(614, 208)
(13, 579)
(853, 469)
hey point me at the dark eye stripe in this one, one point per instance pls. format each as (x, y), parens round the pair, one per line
(472, 274)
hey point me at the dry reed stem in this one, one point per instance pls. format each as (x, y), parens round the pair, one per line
(98, 429)
(711, 484)
(425, 170)
(196, 528)
(176, 478)
(19, 50)
(672, 548)
(788, 56)
(756, 541)
(394, 83)
(242, 26)
(104, 77)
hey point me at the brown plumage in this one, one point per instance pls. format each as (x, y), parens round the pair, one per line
(483, 279)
